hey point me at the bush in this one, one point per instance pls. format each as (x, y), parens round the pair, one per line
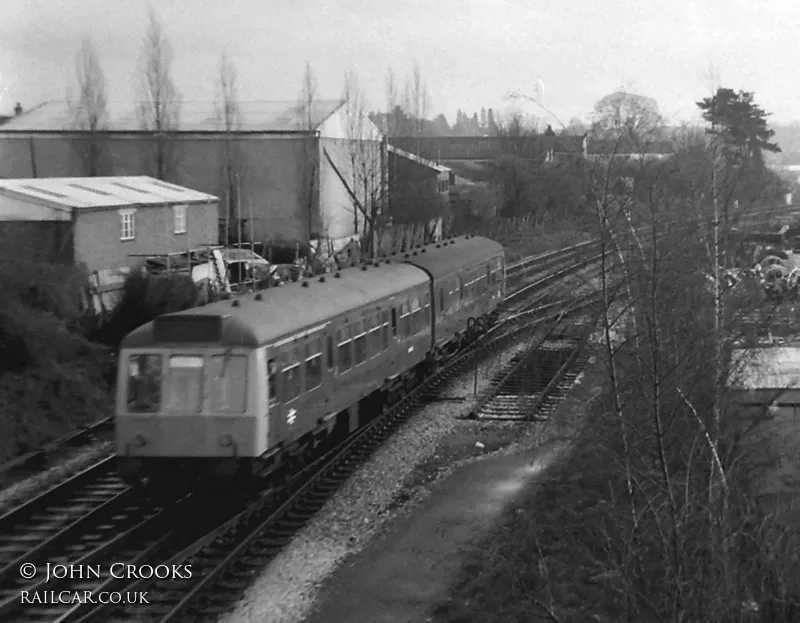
(143, 298)
(51, 375)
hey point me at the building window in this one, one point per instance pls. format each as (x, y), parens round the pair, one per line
(180, 219)
(128, 224)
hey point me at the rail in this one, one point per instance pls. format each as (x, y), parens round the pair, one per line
(543, 261)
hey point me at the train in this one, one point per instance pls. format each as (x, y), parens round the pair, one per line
(256, 385)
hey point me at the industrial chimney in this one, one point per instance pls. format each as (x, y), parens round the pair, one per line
(18, 109)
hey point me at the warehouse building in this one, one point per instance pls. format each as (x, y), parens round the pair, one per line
(291, 168)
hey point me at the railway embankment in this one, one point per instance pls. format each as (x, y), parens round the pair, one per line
(598, 537)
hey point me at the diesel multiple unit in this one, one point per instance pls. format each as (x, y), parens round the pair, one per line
(255, 383)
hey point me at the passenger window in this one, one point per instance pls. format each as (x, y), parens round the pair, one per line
(405, 319)
(228, 384)
(488, 275)
(330, 352)
(291, 382)
(345, 353)
(359, 343)
(144, 383)
(374, 337)
(385, 330)
(394, 322)
(183, 390)
(272, 374)
(313, 364)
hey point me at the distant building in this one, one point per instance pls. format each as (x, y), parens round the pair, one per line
(275, 148)
(418, 180)
(444, 148)
(603, 150)
(102, 224)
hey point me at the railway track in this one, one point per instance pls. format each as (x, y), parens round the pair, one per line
(55, 451)
(534, 381)
(75, 521)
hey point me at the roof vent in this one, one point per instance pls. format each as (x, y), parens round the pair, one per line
(363, 267)
(438, 246)
(338, 275)
(376, 264)
(235, 303)
(305, 284)
(259, 297)
(388, 260)
(414, 253)
(383, 255)
(423, 250)
(394, 252)
(322, 279)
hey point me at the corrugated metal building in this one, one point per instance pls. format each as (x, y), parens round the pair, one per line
(99, 223)
(272, 152)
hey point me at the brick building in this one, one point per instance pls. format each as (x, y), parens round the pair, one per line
(102, 223)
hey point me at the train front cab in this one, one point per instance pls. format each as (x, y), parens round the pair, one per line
(191, 407)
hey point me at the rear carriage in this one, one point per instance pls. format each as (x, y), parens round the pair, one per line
(467, 276)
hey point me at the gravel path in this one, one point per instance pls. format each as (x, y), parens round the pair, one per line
(391, 482)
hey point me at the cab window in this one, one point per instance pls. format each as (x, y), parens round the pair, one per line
(183, 391)
(144, 383)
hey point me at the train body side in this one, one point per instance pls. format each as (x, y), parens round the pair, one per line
(242, 377)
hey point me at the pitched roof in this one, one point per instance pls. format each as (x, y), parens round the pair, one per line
(256, 116)
(101, 192)
(418, 159)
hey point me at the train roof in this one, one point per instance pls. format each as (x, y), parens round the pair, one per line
(290, 308)
(446, 257)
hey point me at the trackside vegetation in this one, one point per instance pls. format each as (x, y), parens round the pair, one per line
(659, 510)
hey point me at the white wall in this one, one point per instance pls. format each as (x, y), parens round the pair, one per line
(15, 209)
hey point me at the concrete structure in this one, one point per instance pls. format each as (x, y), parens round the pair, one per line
(278, 148)
(99, 223)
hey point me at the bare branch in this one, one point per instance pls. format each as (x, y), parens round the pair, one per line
(160, 103)
(89, 110)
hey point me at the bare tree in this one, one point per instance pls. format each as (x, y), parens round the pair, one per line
(367, 153)
(159, 107)
(309, 161)
(624, 116)
(89, 111)
(228, 115)
(416, 99)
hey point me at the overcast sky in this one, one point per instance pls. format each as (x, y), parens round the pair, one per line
(472, 52)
